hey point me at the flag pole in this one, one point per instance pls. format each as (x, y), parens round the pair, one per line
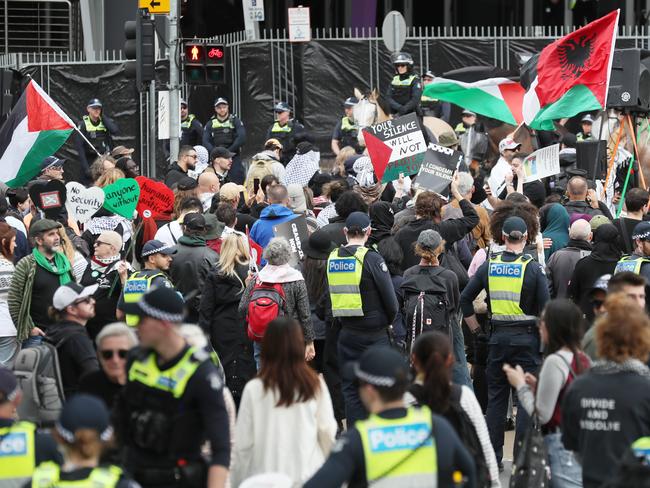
(86, 139)
(613, 159)
(636, 152)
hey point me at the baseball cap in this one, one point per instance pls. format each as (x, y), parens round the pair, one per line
(598, 220)
(51, 162)
(230, 191)
(220, 101)
(8, 385)
(186, 183)
(358, 219)
(508, 143)
(84, 412)
(587, 119)
(66, 295)
(42, 225)
(155, 246)
(641, 231)
(468, 113)
(120, 151)
(183, 102)
(194, 221)
(447, 139)
(214, 228)
(160, 303)
(514, 228)
(220, 152)
(601, 283)
(429, 239)
(380, 366)
(94, 102)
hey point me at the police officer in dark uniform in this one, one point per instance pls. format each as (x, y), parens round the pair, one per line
(586, 123)
(172, 402)
(98, 129)
(226, 130)
(396, 445)
(286, 130)
(432, 107)
(363, 300)
(517, 292)
(639, 261)
(346, 130)
(22, 447)
(405, 88)
(191, 128)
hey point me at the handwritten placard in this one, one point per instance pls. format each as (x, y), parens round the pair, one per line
(82, 202)
(122, 197)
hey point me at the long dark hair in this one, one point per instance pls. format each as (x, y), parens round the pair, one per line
(564, 326)
(315, 276)
(283, 363)
(432, 349)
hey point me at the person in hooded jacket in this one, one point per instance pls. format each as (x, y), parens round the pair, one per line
(382, 217)
(350, 201)
(276, 213)
(556, 228)
(560, 266)
(601, 261)
(220, 319)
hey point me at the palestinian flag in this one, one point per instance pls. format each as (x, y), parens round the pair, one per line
(498, 98)
(36, 128)
(571, 75)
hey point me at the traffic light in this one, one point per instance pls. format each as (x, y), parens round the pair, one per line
(140, 45)
(205, 64)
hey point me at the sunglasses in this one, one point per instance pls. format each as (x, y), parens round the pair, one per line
(83, 300)
(99, 243)
(597, 303)
(109, 353)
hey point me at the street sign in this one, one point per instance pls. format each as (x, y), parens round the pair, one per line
(299, 25)
(254, 10)
(393, 31)
(155, 6)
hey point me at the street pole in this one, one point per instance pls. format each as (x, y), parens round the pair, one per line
(151, 166)
(174, 78)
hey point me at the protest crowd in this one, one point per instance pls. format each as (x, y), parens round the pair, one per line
(295, 320)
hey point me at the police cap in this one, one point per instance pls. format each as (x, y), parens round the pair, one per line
(281, 107)
(641, 231)
(350, 101)
(514, 228)
(95, 103)
(403, 58)
(380, 366)
(220, 101)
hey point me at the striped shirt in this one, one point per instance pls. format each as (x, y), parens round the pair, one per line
(7, 327)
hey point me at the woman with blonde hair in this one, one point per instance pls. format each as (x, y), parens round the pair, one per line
(83, 433)
(218, 314)
(339, 162)
(109, 177)
(77, 259)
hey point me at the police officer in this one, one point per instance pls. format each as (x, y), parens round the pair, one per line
(396, 445)
(586, 123)
(639, 261)
(81, 465)
(432, 107)
(226, 130)
(405, 87)
(468, 119)
(157, 257)
(286, 130)
(99, 129)
(172, 402)
(21, 446)
(346, 130)
(191, 128)
(363, 300)
(517, 292)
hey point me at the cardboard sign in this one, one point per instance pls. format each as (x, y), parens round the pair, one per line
(83, 202)
(295, 231)
(542, 163)
(155, 196)
(395, 146)
(121, 197)
(437, 169)
(50, 197)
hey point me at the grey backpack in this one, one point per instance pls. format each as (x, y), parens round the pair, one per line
(39, 377)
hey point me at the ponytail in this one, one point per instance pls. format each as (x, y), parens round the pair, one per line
(432, 349)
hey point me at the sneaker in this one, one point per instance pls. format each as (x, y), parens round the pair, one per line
(510, 424)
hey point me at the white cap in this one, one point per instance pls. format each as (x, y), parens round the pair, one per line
(508, 143)
(66, 295)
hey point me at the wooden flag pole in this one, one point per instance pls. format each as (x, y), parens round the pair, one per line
(613, 158)
(636, 152)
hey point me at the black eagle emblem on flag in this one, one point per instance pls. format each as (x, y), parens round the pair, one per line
(574, 54)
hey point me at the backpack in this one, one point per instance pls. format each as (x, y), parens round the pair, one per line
(425, 303)
(450, 260)
(578, 358)
(258, 169)
(39, 377)
(267, 302)
(465, 429)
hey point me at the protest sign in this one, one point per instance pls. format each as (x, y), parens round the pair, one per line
(437, 169)
(295, 231)
(155, 196)
(542, 163)
(82, 202)
(49, 197)
(395, 146)
(121, 197)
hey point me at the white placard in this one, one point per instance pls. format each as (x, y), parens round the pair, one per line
(81, 202)
(542, 163)
(163, 115)
(254, 10)
(299, 25)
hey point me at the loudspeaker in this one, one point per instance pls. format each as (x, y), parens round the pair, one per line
(629, 83)
(592, 157)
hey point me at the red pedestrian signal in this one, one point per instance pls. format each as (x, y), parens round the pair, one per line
(205, 64)
(194, 53)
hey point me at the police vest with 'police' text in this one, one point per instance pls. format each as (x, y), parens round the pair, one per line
(344, 278)
(48, 474)
(505, 282)
(17, 454)
(631, 263)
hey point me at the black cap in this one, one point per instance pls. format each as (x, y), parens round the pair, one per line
(220, 101)
(571, 172)
(84, 412)
(358, 219)
(514, 228)
(157, 247)
(94, 102)
(281, 107)
(380, 366)
(160, 303)
(186, 183)
(194, 221)
(319, 245)
(641, 231)
(601, 283)
(350, 102)
(51, 162)
(221, 152)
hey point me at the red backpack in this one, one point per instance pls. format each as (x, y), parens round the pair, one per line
(267, 302)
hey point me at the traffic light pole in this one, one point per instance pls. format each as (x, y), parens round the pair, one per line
(174, 82)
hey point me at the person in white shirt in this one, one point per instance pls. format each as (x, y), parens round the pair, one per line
(171, 232)
(508, 147)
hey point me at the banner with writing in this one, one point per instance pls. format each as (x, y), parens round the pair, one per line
(121, 197)
(156, 198)
(296, 232)
(82, 202)
(437, 170)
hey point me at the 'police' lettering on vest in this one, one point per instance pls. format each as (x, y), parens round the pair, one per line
(626, 266)
(401, 437)
(14, 444)
(342, 265)
(136, 286)
(505, 270)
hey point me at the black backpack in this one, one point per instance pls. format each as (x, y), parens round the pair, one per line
(426, 306)
(464, 427)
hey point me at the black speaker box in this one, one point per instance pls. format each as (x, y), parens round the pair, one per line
(629, 83)
(592, 157)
